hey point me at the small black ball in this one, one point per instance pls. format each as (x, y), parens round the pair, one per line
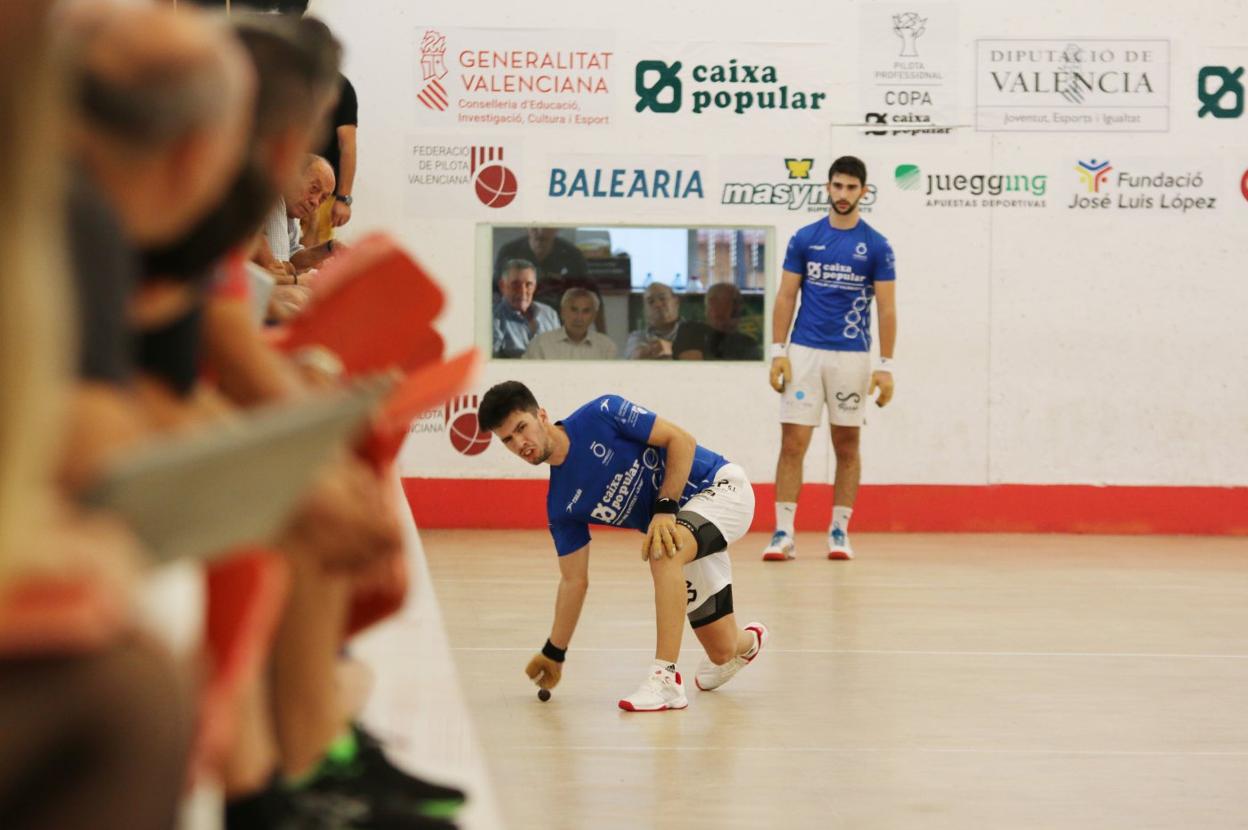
(543, 695)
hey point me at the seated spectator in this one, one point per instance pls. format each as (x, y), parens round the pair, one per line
(718, 338)
(558, 264)
(518, 318)
(576, 339)
(663, 323)
(284, 255)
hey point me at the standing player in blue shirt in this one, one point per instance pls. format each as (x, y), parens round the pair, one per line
(614, 463)
(838, 264)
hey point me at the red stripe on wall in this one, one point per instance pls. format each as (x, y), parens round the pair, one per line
(927, 508)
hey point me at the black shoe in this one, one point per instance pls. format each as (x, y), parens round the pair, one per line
(325, 809)
(370, 790)
(436, 800)
(277, 808)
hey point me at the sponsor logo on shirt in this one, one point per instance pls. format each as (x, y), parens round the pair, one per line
(834, 274)
(620, 497)
(602, 452)
(575, 498)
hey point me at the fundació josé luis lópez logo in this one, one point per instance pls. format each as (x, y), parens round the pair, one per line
(1094, 174)
(1138, 186)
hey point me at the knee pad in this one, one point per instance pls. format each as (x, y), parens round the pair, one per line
(714, 608)
(707, 535)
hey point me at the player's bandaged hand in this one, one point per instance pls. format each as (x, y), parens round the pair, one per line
(781, 373)
(660, 538)
(543, 671)
(882, 381)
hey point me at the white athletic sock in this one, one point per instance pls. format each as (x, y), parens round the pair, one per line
(840, 517)
(786, 512)
(666, 667)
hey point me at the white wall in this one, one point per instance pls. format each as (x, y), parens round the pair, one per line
(1037, 345)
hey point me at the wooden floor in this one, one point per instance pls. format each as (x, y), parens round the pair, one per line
(935, 682)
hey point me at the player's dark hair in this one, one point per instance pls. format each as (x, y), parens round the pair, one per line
(503, 399)
(849, 166)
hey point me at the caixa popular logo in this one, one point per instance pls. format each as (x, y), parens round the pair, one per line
(625, 183)
(733, 87)
(1221, 92)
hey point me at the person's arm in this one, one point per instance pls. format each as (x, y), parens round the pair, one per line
(341, 211)
(680, 446)
(546, 667)
(307, 258)
(262, 255)
(573, 585)
(248, 371)
(886, 308)
(781, 320)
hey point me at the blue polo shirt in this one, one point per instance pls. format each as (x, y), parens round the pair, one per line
(839, 271)
(611, 475)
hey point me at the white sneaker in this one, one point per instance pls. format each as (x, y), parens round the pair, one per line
(838, 544)
(662, 690)
(782, 547)
(711, 676)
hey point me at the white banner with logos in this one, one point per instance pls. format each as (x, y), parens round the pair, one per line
(1072, 85)
(449, 175)
(909, 71)
(1094, 165)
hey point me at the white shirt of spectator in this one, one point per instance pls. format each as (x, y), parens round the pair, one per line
(557, 345)
(282, 232)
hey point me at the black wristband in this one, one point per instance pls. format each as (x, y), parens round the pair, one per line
(666, 506)
(554, 652)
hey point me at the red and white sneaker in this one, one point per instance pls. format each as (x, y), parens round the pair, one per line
(782, 547)
(838, 544)
(711, 676)
(661, 690)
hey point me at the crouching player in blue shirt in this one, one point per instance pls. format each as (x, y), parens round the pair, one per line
(614, 463)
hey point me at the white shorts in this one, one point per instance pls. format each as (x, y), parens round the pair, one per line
(729, 505)
(823, 376)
